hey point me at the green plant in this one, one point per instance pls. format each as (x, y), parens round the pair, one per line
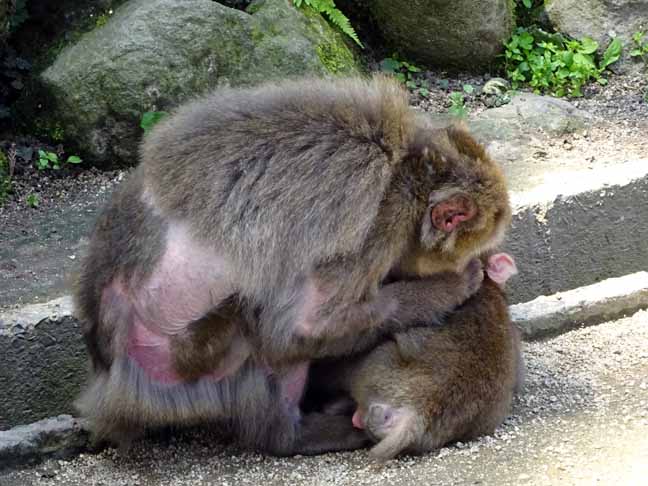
(555, 64)
(47, 160)
(150, 119)
(528, 11)
(101, 20)
(5, 177)
(640, 47)
(458, 101)
(57, 133)
(32, 200)
(334, 15)
(407, 73)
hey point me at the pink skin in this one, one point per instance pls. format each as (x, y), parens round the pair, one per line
(357, 420)
(447, 215)
(181, 289)
(500, 268)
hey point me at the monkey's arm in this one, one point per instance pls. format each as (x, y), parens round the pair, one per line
(329, 331)
(428, 300)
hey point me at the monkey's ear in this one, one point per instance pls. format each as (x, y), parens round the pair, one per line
(449, 213)
(501, 267)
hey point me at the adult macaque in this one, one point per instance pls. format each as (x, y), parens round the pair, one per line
(432, 385)
(254, 236)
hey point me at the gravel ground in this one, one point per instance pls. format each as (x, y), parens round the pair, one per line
(581, 419)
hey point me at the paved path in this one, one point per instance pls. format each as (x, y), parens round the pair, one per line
(582, 419)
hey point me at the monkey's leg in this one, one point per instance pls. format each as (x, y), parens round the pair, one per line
(207, 343)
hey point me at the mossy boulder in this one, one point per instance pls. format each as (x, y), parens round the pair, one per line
(153, 54)
(464, 34)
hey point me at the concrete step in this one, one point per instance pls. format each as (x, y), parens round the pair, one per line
(577, 227)
(44, 360)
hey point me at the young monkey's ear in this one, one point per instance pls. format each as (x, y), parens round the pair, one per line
(449, 213)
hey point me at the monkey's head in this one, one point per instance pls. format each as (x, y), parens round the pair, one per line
(464, 192)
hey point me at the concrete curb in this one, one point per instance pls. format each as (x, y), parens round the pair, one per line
(42, 362)
(63, 435)
(58, 437)
(44, 359)
(579, 228)
(593, 304)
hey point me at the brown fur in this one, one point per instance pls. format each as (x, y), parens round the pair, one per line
(442, 383)
(308, 191)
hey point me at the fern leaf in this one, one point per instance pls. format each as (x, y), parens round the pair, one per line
(334, 15)
(338, 18)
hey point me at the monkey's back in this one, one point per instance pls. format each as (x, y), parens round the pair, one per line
(305, 161)
(458, 377)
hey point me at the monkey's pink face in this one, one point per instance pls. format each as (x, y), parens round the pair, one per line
(447, 215)
(455, 230)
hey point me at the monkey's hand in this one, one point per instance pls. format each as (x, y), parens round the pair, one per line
(426, 301)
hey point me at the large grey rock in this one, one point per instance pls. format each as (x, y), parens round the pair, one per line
(462, 34)
(153, 54)
(600, 20)
(510, 131)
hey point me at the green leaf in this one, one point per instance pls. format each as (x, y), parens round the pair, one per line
(526, 41)
(336, 17)
(527, 3)
(588, 46)
(635, 52)
(411, 67)
(32, 200)
(468, 88)
(390, 65)
(151, 118)
(74, 159)
(52, 157)
(424, 92)
(638, 36)
(612, 53)
(456, 97)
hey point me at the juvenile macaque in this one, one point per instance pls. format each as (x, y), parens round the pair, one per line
(254, 237)
(432, 385)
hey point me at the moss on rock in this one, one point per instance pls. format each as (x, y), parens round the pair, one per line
(153, 54)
